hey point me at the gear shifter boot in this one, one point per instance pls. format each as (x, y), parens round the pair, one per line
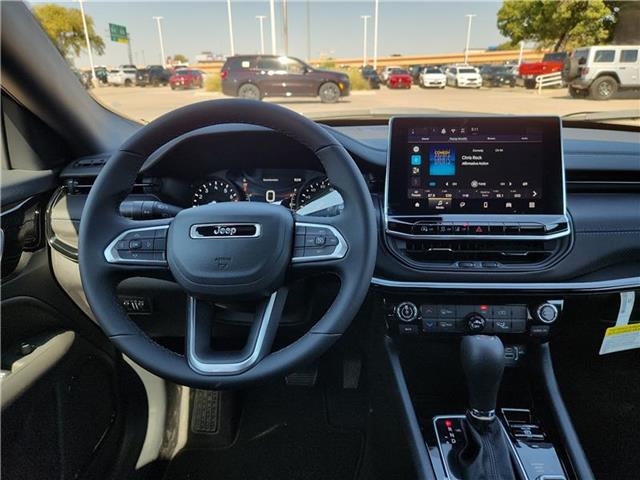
(486, 453)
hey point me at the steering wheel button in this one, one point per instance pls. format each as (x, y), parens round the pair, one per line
(299, 241)
(160, 256)
(332, 240)
(147, 243)
(318, 251)
(123, 245)
(135, 255)
(160, 244)
(135, 245)
(315, 231)
(298, 252)
(160, 232)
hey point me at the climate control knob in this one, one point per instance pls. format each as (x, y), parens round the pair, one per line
(475, 322)
(407, 312)
(547, 313)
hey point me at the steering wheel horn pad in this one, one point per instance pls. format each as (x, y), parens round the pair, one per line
(236, 249)
(242, 250)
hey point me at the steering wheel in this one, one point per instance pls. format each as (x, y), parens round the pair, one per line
(226, 251)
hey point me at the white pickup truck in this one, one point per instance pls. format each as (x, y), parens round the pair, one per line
(122, 77)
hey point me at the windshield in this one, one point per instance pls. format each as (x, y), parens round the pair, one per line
(316, 56)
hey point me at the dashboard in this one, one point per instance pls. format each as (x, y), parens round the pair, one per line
(602, 188)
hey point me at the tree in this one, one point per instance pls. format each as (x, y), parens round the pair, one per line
(64, 27)
(560, 25)
(179, 58)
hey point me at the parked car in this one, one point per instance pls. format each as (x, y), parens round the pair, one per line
(399, 78)
(101, 74)
(186, 79)
(384, 76)
(599, 72)
(551, 63)
(432, 77)
(154, 75)
(464, 76)
(497, 76)
(415, 71)
(371, 76)
(122, 77)
(259, 76)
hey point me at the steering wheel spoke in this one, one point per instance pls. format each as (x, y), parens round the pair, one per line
(319, 245)
(140, 248)
(205, 361)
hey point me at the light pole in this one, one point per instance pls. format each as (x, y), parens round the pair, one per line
(365, 19)
(285, 26)
(466, 49)
(86, 37)
(233, 49)
(272, 18)
(521, 52)
(375, 35)
(261, 20)
(158, 19)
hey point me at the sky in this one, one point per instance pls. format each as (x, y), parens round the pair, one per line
(191, 27)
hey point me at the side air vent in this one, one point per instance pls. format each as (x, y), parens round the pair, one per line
(477, 254)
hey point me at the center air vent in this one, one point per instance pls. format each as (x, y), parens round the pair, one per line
(487, 254)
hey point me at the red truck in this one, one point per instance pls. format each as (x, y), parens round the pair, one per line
(551, 63)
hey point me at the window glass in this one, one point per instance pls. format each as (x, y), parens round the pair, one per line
(604, 56)
(629, 56)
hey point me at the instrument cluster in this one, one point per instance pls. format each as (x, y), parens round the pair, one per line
(290, 188)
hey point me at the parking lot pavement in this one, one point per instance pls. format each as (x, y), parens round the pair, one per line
(149, 103)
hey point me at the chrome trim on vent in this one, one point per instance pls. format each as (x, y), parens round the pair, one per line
(577, 287)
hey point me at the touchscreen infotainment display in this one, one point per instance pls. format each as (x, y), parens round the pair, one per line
(475, 165)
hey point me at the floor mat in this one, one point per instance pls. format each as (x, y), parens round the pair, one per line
(284, 433)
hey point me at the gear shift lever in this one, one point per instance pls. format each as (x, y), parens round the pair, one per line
(483, 364)
(486, 452)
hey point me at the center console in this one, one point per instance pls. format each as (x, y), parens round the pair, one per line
(477, 195)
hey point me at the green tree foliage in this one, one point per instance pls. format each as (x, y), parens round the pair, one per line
(64, 27)
(559, 25)
(179, 58)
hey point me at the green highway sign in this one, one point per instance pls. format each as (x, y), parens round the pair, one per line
(118, 33)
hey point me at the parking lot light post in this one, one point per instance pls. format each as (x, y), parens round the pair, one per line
(375, 35)
(272, 18)
(521, 52)
(158, 20)
(466, 48)
(261, 20)
(365, 19)
(86, 37)
(233, 49)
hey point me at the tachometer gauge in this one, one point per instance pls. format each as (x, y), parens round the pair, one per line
(215, 190)
(315, 188)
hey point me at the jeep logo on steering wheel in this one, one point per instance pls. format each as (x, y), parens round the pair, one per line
(224, 230)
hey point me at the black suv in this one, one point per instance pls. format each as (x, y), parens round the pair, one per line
(259, 76)
(154, 75)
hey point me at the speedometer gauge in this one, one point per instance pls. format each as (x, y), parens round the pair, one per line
(215, 190)
(314, 189)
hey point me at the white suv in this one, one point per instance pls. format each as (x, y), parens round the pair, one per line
(432, 77)
(599, 72)
(464, 76)
(122, 77)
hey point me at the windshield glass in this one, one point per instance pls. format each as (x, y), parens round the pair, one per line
(317, 56)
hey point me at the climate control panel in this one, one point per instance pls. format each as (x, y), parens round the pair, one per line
(413, 317)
